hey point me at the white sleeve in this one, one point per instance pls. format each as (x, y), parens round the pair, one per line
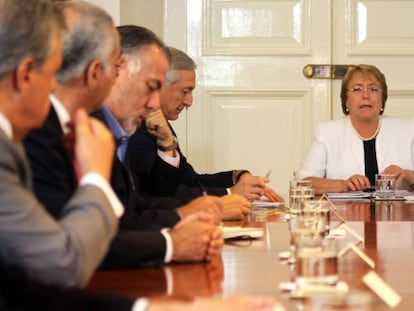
(173, 161)
(315, 162)
(140, 304)
(169, 245)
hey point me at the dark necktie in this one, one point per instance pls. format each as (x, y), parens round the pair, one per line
(69, 142)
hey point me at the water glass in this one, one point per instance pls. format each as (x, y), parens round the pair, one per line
(385, 185)
(318, 214)
(316, 261)
(297, 195)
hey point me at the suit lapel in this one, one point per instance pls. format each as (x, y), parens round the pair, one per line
(381, 147)
(356, 147)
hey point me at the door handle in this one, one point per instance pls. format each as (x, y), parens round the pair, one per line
(313, 71)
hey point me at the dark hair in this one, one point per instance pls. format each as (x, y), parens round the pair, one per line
(366, 70)
(133, 38)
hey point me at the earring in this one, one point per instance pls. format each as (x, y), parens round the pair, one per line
(382, 109)
(346, 109)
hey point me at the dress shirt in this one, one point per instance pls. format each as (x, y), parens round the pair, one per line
(141, 304)
(173, 161)
(89, 178)
(6, 126)
(120, 136)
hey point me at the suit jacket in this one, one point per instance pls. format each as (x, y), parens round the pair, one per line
(141, 209)
(165, 180)
(54, 174)
(18, 292)
(54, 179)
(338, 152)
(65, 251)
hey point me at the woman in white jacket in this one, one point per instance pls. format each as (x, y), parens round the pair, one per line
(347, 153)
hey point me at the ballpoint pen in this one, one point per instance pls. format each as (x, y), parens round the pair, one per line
(203, 189)
(268, 173)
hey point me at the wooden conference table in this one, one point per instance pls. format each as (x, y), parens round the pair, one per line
(254, 267)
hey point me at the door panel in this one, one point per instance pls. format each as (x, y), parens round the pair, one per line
(253, 108)
(381, 33)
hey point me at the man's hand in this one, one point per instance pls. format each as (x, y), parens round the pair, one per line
(272, 195)
(210, 204)
(94, 145)
(235, 207)
(251, 187)
(157, 125)
(196, 238)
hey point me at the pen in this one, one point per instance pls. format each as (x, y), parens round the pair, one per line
(203, 189)
(268, 173)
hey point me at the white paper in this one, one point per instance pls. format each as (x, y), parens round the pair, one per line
(234, 232)
(349, 195)
(382, 289)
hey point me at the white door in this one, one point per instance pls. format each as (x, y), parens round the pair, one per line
(253, 107)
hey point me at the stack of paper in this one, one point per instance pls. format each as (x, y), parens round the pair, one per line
(349, 195)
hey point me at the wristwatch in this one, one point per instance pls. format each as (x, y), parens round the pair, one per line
(173, 146)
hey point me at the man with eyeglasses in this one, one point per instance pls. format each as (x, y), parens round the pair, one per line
(348, 153)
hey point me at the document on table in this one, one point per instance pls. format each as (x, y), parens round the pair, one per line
(349, 195)
(399, 195)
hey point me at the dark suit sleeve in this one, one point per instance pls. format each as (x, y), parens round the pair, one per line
(160, 178)
(54, 179)
(134, 249)
(156, 177)
(17, 292)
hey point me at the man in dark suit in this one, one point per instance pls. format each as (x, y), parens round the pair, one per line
(165, 177)
(65, 251)
(91, 56)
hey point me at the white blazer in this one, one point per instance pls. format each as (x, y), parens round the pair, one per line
(338, 152)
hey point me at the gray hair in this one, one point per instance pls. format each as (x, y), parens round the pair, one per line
(179, 61)
(133, 38)
(89, 36)
(25, 30)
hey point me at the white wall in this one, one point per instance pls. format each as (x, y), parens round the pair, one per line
(147, 13)
(111, 6)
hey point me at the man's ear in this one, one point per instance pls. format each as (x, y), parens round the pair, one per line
(93, 74)
(22, 74)
(120, 64)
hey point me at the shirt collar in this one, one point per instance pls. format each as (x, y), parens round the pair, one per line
(5, 126)
(113, 124)
(61, 112)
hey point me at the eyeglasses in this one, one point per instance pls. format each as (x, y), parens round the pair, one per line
(369, 89)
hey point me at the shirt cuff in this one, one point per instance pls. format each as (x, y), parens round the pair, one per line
(169, 245)
(141, 304)
(100, 182)
(169, 279)
(173, 161)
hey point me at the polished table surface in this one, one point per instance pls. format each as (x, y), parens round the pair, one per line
(254, 267)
